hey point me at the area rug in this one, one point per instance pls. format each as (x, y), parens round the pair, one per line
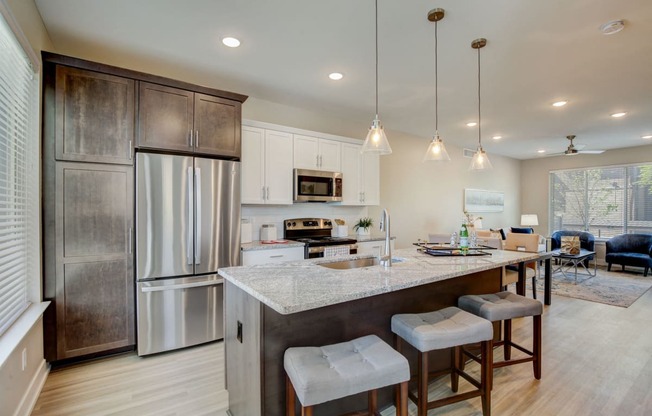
(612, 288)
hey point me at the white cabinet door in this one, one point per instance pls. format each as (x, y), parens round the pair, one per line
(278, 167)
(275, 255)
(370, 179)
(330, 155)
(351, 170)
(373, 247)
(317, 154)
(306, 152)
(253, 165)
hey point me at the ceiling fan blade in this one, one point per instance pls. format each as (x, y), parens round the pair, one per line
(591, 152)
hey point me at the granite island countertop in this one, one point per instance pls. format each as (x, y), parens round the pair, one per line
(298, 286)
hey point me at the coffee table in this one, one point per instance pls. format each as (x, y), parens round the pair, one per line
(571, 261)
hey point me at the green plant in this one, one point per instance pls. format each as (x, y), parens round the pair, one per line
(364, 223)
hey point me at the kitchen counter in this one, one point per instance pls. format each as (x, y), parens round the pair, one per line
(293, 287)
(271, 307)
(364, 238)
(258, 245)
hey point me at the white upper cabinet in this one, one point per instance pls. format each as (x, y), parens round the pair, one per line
(317, 154)
(360, 176)
(266, 166)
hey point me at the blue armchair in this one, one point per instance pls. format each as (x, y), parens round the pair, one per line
(587, 240)
(630, 250)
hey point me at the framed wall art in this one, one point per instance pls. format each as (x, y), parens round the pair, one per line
(478, 200)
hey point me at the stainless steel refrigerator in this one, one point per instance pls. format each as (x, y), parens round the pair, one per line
(187, 226)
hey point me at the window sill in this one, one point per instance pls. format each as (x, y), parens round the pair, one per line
(17, 332)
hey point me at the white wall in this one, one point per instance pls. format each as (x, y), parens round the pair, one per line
(535, 176)
(428, 197)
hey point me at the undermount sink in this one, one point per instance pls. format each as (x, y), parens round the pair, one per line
(357, 263)
(352, 264)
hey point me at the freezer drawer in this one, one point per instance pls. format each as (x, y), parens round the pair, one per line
(177, 313)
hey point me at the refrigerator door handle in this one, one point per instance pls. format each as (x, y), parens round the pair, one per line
(198, 222)
(189, 242)
(181, 286)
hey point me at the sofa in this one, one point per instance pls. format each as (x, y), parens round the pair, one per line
(630, 250)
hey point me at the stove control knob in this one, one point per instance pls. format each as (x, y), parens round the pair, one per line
(328, 223)
(294, 223)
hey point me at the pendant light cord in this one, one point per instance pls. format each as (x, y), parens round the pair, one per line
(479, 123)
(436, 86)
(376, 58)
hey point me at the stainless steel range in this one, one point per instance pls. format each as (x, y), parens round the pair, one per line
(316, 234)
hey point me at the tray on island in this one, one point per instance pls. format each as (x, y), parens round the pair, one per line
(443, 250)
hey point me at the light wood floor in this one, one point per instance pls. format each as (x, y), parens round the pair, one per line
(597, 360)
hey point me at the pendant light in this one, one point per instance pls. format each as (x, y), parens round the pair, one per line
(436, 150)
(480, 160)
(376, 140)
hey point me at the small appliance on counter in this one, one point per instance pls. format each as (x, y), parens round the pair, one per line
(268, 232)
(245, 232)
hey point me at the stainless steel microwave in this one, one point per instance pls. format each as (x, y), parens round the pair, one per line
(317, 186)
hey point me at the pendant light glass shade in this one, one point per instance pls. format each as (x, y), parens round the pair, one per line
(376, 140)
(480, 159)
(436, 151)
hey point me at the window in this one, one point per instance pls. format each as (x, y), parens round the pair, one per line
(606, 201)
(19, 177)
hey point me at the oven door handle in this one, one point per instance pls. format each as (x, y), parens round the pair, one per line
(181, 286)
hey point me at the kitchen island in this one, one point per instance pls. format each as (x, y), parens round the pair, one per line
(271, 307)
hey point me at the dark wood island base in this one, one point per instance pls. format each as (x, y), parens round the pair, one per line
(256, 338)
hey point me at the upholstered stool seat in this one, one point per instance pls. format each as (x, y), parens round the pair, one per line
(446, 328)
(320, 374)
(505, 306)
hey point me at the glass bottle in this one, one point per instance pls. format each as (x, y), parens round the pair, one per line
(464, 239)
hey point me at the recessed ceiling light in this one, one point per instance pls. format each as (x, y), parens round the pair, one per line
(560, 103)
(612, 27)
(231, 42)
(618, 115)
(335, 76)
(541, 151)
(649, 136)
(472, 124)
(497, 137)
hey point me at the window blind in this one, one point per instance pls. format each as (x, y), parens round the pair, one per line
(18, 98)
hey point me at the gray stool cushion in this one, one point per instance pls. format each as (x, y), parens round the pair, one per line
(500, 306)
(444, 328)
(320, 374)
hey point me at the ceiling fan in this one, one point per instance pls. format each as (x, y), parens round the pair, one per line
(576, 149)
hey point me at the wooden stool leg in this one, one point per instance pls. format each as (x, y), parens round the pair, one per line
(306, 411)
(536, 348)
(290, 397)
(507, 337)
(402, 399)
(486, 376)
(422, 402)
(455, 363)
(373, 402)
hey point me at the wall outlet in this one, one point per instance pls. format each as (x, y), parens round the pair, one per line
(24, 358)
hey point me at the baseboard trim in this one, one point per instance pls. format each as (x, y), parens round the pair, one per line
(33, 391)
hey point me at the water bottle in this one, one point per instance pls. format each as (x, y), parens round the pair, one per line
(464, 239)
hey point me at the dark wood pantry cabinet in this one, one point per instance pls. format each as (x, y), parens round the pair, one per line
(94, 117)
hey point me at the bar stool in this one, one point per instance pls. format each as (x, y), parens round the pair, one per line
(319, 374)
(446, 328)
(504, 306)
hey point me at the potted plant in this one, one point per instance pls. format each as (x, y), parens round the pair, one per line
(363, 226)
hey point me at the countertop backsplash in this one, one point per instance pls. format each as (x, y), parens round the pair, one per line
(259, 215)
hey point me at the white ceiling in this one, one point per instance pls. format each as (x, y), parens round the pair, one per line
(538, 52)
